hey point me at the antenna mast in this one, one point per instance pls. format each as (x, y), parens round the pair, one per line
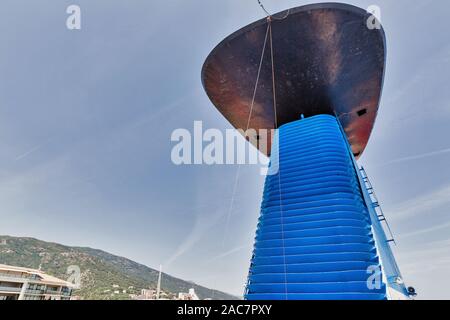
(158, 288)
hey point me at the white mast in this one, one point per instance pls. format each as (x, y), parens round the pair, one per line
(158, 288)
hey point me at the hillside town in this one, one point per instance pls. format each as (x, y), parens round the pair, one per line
(18, 283)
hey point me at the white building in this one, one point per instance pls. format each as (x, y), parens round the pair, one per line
(188, 296)
(18, 283)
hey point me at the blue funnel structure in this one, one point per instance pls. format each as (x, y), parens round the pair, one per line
(319, 72)
(314, 238)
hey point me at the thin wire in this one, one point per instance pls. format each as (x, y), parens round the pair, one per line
(273, 76)
(264, 9)
(270, 15)
(279, 159)
(236, 180)
(258, 75)
(230, 209)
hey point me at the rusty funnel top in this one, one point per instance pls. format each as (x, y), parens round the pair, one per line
(326, 60)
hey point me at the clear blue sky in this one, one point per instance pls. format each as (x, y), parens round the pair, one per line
(86, 118)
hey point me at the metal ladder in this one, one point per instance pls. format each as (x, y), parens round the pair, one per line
(376, 204)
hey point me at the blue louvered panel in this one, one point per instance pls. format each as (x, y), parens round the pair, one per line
(314, 238)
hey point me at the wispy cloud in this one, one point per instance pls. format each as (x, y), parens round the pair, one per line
(426, 230)
(435, 251)
(423, 204)
(416, 157)
(29, 152)
(228, 253)
(203, 223)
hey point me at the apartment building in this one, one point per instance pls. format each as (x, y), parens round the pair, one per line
(18, 283)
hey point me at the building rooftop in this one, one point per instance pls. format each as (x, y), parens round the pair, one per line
(42, 275)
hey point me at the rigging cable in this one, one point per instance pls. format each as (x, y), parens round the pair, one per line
(236, 180)
(279, 159)
(288, 12)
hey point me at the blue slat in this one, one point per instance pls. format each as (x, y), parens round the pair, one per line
(314, 267)
(317, 296)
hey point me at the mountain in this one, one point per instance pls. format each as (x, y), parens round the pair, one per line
(101, 273)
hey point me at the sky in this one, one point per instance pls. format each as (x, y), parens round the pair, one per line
(86, 118)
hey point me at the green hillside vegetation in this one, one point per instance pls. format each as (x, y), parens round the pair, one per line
(100, 271)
